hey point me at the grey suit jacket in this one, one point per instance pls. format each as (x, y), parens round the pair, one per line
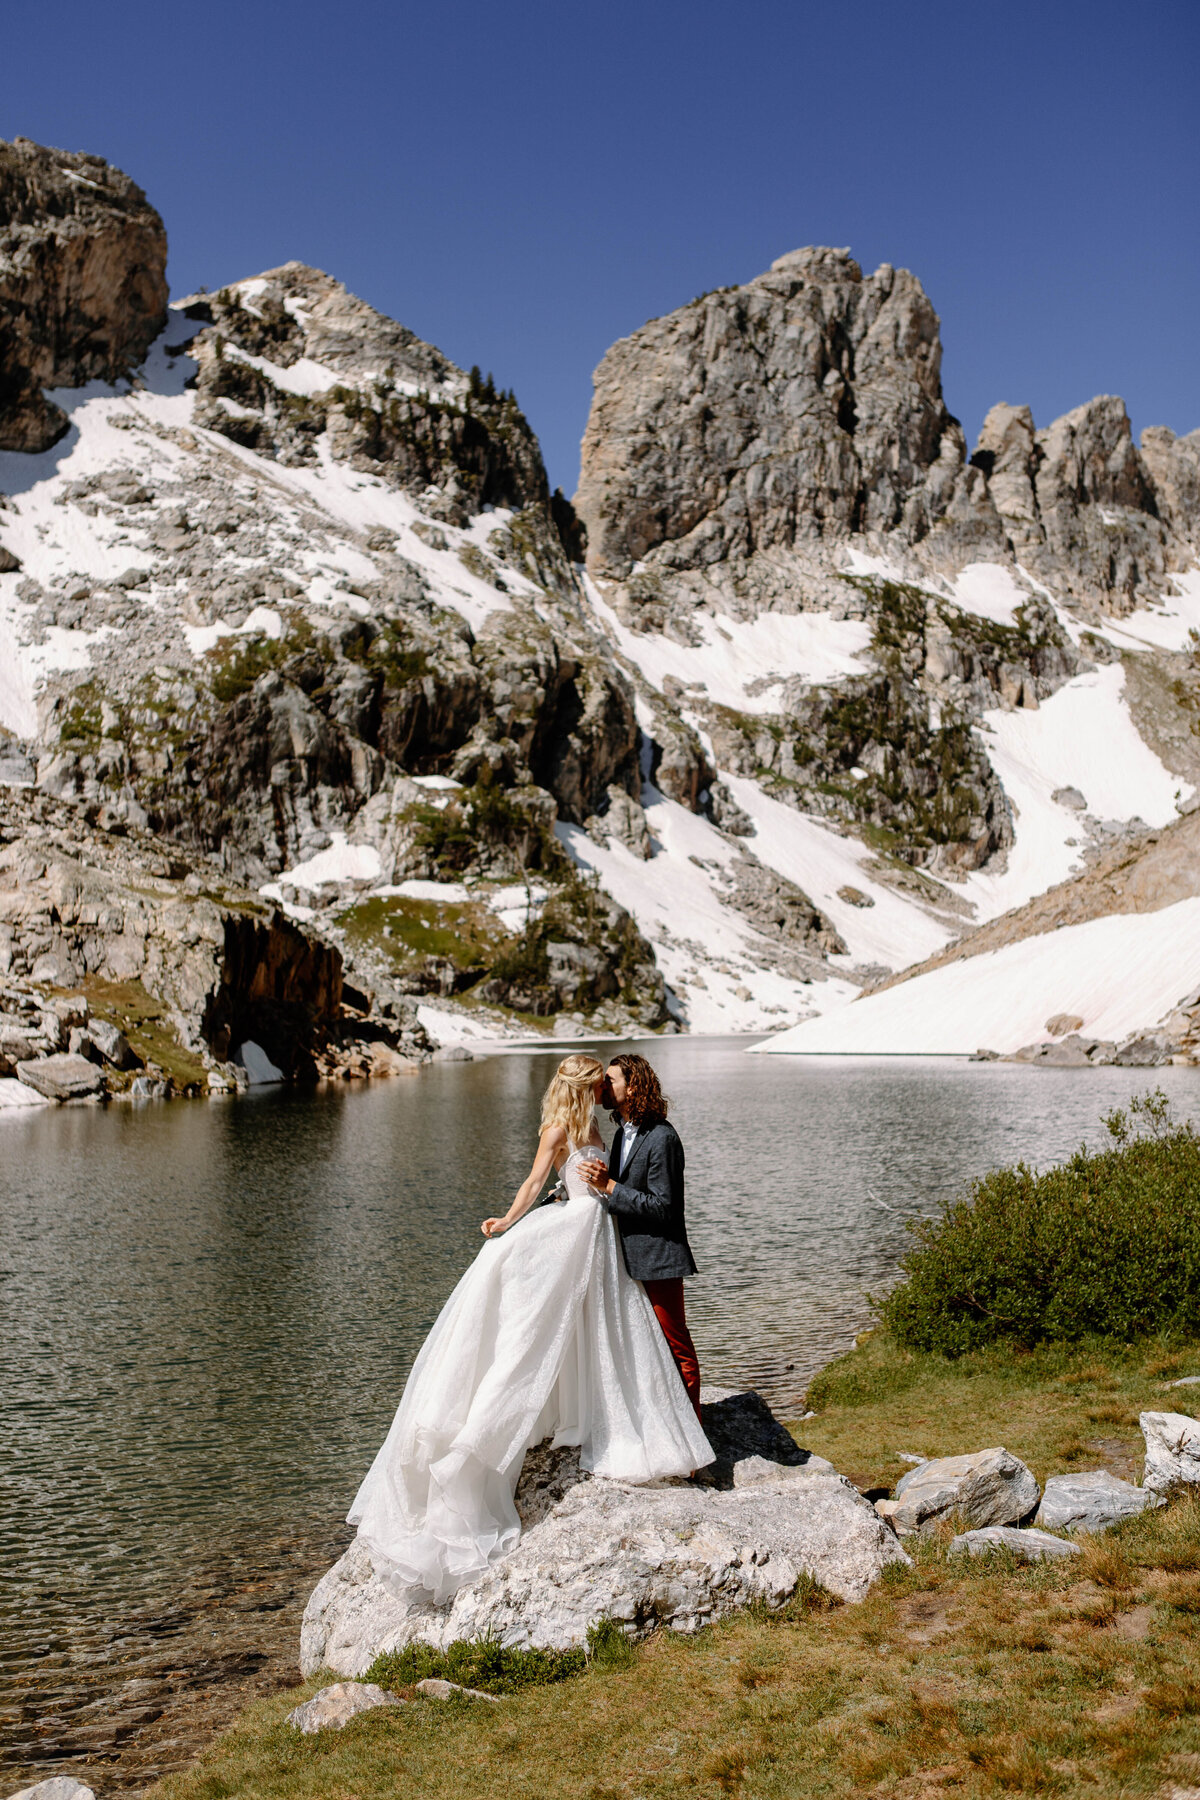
(647, 1203)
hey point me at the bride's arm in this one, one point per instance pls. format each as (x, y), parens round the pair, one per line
(551, 1142)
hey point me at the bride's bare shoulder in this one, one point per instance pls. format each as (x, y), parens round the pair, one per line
(553, 1137)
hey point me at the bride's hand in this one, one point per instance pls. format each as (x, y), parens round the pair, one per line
(493, 1227)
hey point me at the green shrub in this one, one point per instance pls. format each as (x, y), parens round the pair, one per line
(485, 1663)
(236, 662)
(1107, 1244)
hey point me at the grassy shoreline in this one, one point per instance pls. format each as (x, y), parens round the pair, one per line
(950, 1679)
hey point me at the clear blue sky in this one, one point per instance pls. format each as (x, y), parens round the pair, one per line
(524, 183)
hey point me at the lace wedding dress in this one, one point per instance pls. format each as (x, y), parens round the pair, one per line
(546, 1335)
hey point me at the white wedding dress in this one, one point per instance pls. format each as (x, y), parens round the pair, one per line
(546, 1335)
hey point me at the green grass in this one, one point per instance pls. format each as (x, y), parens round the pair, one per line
(486, 1664)
(148, 1028)
(951, 1678)
(1058, 1407)
(410, 929)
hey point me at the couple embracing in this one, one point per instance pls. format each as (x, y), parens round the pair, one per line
(569, 1325)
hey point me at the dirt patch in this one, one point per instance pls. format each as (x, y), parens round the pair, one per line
(925, 1617)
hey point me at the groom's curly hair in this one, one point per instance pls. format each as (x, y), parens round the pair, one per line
(647, 1104)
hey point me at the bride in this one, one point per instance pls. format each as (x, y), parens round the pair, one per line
(546, 1335)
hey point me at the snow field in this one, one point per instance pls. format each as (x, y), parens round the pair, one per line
(1118, 974)
(16, 1098)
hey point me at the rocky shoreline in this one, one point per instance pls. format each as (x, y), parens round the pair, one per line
(130, 969)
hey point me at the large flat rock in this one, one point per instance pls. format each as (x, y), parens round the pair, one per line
(1026, 1546)
(63, 1077)
(677, 1555)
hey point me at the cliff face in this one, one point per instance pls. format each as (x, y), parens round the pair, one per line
(186, 964)
(802, 415)
(83, 288)
(803, 407)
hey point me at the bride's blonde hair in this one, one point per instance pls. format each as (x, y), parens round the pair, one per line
(570, 1100)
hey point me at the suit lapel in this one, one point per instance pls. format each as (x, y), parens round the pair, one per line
(614, 1157)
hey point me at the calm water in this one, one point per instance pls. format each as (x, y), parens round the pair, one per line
(207, 1313)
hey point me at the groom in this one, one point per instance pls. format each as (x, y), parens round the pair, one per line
(643, 1186)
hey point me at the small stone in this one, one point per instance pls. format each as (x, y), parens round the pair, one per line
(112, 1044)
(436, 1689)
(1185, 1381)
(63, 1077)
(854, 896)
(1028, 1546)
(335, 1706)
(1091, 1501)
(59, 1787)
(988, 1487)
(460, 1053)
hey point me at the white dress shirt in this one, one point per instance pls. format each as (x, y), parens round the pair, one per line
(628, 1134)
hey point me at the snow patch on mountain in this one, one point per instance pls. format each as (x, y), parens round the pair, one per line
(714, 962)
(743, 663)
(1118, 974)
(1083, 739)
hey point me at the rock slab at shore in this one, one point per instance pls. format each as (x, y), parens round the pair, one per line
(676, 1555)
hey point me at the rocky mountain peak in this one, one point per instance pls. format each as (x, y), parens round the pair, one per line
(296, 311)
(818, 264)
(290, 355)
(83, 288)
(803, 406)
(740, 449)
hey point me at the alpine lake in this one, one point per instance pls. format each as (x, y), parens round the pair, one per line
(208, 1310)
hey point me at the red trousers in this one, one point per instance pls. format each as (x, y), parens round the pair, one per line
(666, 1297)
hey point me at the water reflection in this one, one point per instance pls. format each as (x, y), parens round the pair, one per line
(207, 1312)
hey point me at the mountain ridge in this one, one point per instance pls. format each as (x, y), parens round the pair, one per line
(300, 599)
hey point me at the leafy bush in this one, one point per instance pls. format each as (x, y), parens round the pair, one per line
(484, 1663)
(478, 823)
(1107, 1244)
